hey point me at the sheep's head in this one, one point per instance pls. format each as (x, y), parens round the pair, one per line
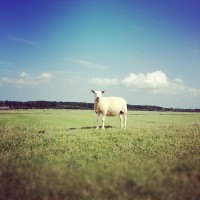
(97, 94)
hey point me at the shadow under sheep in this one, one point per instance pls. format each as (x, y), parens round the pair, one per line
(92, 127)
(87, 127)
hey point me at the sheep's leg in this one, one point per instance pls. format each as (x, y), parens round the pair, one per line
(121, 120)
(103, 121)
(98, 117)
(125, 120)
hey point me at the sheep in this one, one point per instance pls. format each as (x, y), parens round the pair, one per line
(109, 106)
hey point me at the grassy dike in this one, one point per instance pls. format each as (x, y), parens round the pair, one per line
(57, 154)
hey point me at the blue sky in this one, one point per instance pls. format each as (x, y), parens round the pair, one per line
(147, 51)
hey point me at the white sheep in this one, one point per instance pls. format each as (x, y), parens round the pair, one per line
(109, 106)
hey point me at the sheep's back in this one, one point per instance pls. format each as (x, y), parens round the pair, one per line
(114, 105)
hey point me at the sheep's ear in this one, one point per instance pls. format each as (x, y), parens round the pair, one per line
(103, 91)
(93, 91)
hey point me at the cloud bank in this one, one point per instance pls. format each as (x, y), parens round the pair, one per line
(25, 79)
(154, 82)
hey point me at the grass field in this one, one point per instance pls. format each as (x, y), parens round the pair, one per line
(57, 154)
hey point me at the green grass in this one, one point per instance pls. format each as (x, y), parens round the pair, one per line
(57, 154)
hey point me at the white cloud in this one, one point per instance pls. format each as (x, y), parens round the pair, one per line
(155, 82)
(22, 40)
(88, 64)
(70, 82)
(25, 79)
(45, 76)
(23, 74)
(178, 87)
(5, 63)
(104, 81)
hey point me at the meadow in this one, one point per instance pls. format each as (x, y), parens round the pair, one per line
(58, 154)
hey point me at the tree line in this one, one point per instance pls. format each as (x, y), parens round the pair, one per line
(81, 106)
